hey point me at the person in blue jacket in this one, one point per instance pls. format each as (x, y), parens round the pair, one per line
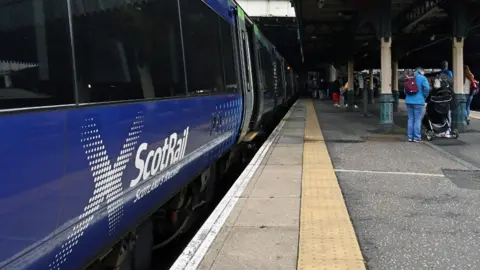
(445, 69)
(415, 106)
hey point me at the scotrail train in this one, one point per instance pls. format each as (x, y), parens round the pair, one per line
(116, 119)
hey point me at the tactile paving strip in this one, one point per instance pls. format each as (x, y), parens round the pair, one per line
(327, 238)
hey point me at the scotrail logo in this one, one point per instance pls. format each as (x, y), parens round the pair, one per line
(157, 160)
(107, 178)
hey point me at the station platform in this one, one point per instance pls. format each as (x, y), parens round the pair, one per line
(327, 192)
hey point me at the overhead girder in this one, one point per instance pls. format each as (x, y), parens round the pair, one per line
(460, 16)
(403, 23)
(339, 38)
(416, 13)
(412, 42)
(297, 6)
(400, 27)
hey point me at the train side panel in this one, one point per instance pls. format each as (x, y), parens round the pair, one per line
(264, 75)
(78, 178)
(122, 162)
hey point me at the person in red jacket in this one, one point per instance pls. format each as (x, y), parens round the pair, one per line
(335, 88)
(473, 89)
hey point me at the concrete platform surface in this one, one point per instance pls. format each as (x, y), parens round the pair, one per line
(326, 192)
(404, 198)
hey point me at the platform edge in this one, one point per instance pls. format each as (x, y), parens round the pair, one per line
(196, 249)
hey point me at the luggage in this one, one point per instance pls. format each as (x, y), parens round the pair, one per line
(411, 87)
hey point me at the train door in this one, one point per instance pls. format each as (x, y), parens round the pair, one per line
(259, 79)
(246, 71)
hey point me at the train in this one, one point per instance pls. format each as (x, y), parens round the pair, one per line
(118, 119)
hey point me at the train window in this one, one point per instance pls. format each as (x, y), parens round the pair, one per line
(267, 70)
(228, 56)
(128, 51)
(35, 54)
(202, 48)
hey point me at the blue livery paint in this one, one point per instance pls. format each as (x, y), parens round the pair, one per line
(67, 174)
(222, 7)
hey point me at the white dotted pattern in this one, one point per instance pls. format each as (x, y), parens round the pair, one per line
(107, 180)
(230, 115)
(230, 119)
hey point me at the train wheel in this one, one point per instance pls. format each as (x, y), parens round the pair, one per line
(142, 252)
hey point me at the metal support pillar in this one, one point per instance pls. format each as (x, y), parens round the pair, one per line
(395, 92)
(458, 116)
(351, 87)
(386, 97)
(460, 28)
(370, 88)
(384, 32)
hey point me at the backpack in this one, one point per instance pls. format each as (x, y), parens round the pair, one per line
(411, 87)
(446, 82)
(474, 87)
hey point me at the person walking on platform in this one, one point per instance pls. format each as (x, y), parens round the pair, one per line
(335, 88)
(471, 86)
(345, 95)
(416, 93)
(360, 84)
(445, 69)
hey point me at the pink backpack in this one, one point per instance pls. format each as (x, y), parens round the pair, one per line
(411, 86)
(474, 88)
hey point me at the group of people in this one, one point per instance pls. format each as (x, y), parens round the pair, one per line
(339, 90)
(440, 92)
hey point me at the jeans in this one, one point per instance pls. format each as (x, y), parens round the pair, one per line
(415, 113)
(467, 106)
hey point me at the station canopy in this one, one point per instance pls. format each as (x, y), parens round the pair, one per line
(330, 30)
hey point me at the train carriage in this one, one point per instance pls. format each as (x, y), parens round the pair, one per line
(117, 118)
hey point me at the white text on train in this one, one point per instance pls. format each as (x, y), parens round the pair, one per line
(158, 159)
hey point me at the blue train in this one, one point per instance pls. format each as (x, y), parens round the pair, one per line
(116, 119)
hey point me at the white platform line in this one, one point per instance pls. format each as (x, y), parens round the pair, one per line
(194, 252)
(386, 172)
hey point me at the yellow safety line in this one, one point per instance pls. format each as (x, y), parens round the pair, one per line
(327, 238)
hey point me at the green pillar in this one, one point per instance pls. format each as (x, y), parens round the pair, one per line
(386, 111)
(384, 33)
(386, 97)
(459, 119)
(460, 18)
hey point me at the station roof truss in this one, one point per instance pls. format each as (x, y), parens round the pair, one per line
(334, 31)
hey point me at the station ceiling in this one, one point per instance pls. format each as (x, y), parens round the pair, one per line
(421, 33)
